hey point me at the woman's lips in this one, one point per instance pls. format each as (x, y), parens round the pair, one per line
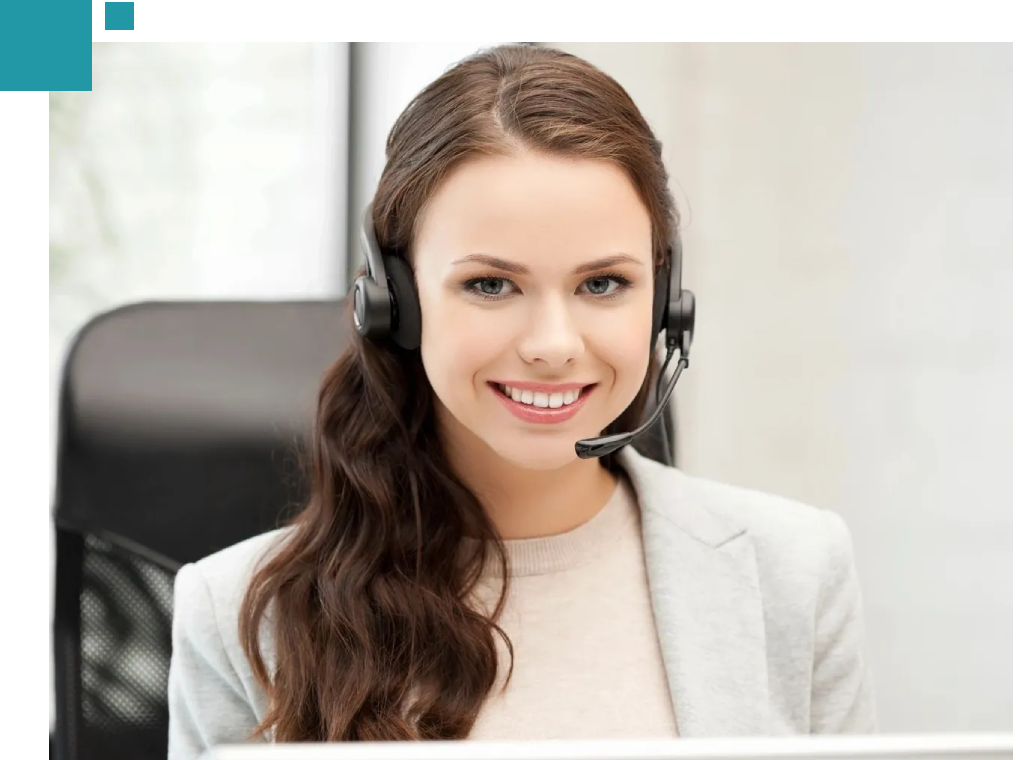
(542, 415)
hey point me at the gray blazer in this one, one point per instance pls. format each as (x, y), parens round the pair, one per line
(756, 600)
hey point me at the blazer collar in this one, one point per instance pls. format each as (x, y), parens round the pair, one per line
(704, 587)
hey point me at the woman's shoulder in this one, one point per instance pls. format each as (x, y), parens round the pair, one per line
(207, 598)
(792, 540)
(227, 573)
(214, 697)
(761, 513)
(783, 531)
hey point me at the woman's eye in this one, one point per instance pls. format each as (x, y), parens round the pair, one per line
(490, 286)
(601, 286)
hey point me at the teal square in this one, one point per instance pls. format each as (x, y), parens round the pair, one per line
(119, 17)
(46, 45)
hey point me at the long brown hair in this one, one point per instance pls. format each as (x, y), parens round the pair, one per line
(367, 599)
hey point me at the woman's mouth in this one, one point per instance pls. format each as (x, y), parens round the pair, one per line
(545, 406)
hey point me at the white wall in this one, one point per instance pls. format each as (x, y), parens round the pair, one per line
(848, 233)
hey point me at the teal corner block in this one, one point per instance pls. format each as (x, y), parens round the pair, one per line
(46, 45)
(119, 17)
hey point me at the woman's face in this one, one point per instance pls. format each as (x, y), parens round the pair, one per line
(535, 277)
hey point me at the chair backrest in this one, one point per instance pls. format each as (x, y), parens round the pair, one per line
(179, 429)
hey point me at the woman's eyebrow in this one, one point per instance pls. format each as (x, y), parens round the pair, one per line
(608, 261)
(512, 268)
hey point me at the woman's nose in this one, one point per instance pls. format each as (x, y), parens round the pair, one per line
(552, 335)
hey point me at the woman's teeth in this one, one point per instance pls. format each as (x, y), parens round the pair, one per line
(543, 400)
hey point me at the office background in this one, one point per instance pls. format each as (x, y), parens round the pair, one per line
(847, 215)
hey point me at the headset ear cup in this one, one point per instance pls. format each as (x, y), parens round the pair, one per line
(406, 332)
(372, 311)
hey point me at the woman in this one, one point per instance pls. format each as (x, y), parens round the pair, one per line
(458, 571)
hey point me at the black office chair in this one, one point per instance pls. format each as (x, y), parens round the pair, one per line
(178, 432)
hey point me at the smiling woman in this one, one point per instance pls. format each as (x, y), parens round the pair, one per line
(459, 572)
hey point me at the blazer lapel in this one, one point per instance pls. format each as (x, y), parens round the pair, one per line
(706, 601)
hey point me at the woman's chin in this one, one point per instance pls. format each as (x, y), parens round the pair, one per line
(549, 455)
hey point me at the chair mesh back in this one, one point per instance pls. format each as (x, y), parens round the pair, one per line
(112, 636)
(126, 614)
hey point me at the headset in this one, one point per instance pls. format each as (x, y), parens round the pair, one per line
(386, 308)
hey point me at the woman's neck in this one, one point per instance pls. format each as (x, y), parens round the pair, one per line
(525, 503)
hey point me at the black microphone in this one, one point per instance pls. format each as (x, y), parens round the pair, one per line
(606, 444)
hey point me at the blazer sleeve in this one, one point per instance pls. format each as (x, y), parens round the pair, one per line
(842, 698)
(208, 704)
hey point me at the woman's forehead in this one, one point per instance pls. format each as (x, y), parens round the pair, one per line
(533, 206)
